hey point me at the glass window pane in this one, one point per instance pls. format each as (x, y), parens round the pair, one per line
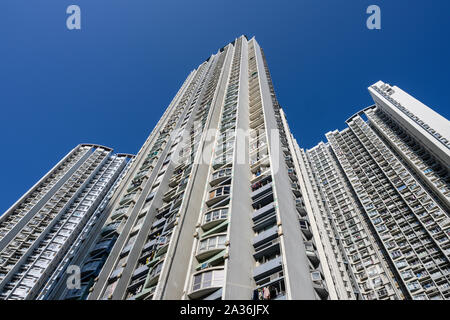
(218, 277)
(197, 282)
(207, 277)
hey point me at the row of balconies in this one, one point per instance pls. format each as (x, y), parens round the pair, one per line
(211, 246)
(150, 263)
(266, 242)
(413, 199)
(409, 151)
(109, 233)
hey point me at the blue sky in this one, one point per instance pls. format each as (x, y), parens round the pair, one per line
(109, 82)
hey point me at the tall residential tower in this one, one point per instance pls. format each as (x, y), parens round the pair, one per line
(212, 207)
(49, 222)
(382, 186)
(222, 203)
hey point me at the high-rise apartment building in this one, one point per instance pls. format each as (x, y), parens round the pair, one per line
(51, 220)
(381, 187)
(212, 207)
(222, 203)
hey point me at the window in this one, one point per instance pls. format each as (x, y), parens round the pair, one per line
(303, 224)
(382, 292)
(213, 278)
(221, 173)
(156, 269)
(413, 285)
(372, 271)
(406, 274)
(376, 282)
(216, 214)
(207, 279)
(219, 192)
(212, 243)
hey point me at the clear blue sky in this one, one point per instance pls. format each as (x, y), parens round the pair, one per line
(109, 82)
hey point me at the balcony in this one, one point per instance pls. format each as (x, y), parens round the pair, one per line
(170, 222)
(263, 198)
(215, 260)
(217, 195)
(164, 209)
(319, 284)
(158, 223)
(286, 151)
(261, 190)
(311, 254)
(265, 221)
(174, 180)
(214, 217)
(265, 236)
(222, 161)
(115, 274)
(258, 121)
(92, 268)
(260, 175)
(288, 160)
(154, 260)
(119, 212)
(155, 231)
(127, 198)
(259, 160)
(169, 194)
(296, 189)
(162, 244)
(140, 271)
(304, 226)
(145, 294)
(256, 114)
(276, 282)
(79, 294)
(220, 175)
(264, 211)
(153, 275)
(110, 228)
(267, 249)
(258, 144)
(206, 282)
(103, 246)
(292, 175)
(300, 206)
(267, 268)
(136, 283)
(127, 248)
(149, 245)
(210, 246)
